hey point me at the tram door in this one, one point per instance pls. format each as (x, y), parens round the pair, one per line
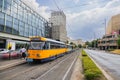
(2, 43)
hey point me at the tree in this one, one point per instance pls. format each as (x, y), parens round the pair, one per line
(67, 42)
(94, 43)
(79, 45)
(88, 44)
(118, 41)
(71, 43)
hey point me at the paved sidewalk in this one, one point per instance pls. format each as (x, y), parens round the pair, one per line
(10, 63)
(78, 70)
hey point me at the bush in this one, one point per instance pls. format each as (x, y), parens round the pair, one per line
(83, 53)
(91, 71)
(111, 49)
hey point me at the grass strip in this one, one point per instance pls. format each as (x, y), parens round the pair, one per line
(91, 71)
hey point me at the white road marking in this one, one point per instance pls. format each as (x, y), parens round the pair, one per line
(51, 69)
(69, 68)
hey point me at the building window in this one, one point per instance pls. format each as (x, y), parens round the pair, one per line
(20, 12)
(21, 28)
(1, 2)
(2, 21)
(7, 6)
(30, 31)
(26, 30)
(2, 15)
(1, 27)
(8, 24)
(15, 27)
(14, 10)
(18, 1)
(20, 19)
(9, 18)
(34, 31)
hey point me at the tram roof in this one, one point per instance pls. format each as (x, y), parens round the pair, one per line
(51, 40)
(47, 39)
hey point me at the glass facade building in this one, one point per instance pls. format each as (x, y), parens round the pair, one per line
(19, 19)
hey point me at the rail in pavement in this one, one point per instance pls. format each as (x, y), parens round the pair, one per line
(77, 73)
(4, 64)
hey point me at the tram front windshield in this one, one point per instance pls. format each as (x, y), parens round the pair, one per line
(37, 45)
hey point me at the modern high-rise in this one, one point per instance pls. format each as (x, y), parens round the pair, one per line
(113, 25)
(18, 21)
(59, 32)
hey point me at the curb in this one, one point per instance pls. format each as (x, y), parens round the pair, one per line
(108, 77)
(11, 65)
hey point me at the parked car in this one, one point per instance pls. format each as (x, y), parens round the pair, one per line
(2, 49)
(9, 54)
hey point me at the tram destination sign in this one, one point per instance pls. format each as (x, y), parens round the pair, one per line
(35, 39)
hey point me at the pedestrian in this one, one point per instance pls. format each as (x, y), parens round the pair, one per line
(23, 51)
(9, 53)
(9, 48)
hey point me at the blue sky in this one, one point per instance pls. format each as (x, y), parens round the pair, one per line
(85, 18)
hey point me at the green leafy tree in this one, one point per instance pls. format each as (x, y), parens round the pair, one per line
(79, 45)
(67, 41)
(118, 42)
(94, 43)
(88, 44)
(71, 43)
(74, 45)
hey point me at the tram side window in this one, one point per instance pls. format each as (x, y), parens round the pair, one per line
(62, 46)
(54, 45)
(20, 45)
(46, 46)
(58, 45)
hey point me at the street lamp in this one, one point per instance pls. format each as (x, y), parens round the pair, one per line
(105, 32)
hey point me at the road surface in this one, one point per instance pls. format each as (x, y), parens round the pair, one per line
(59, 69)
(109, 62)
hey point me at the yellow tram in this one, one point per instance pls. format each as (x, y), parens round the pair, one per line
(44, 49)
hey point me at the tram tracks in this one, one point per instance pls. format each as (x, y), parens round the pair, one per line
(29, 72)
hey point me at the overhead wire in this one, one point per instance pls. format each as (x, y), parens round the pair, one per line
(81, 5)
(56, 4)
(62, 9)
(63, 12)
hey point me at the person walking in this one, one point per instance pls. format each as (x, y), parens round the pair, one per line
(9, 53)
(23, 50)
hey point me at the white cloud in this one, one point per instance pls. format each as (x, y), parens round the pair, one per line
(42, 10)
(113, 3)
(99, 32)
(76, 1)
(93, 1)
(96, 12)
(93, 16)
(86, 18)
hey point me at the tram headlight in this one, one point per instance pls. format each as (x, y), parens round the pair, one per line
(38, 55)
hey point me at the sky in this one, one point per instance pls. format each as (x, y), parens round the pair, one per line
(85, 19)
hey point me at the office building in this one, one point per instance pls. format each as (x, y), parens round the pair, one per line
(113, 25)
(48, 30)
(18, 21)
(59, 32)
(109, 41)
